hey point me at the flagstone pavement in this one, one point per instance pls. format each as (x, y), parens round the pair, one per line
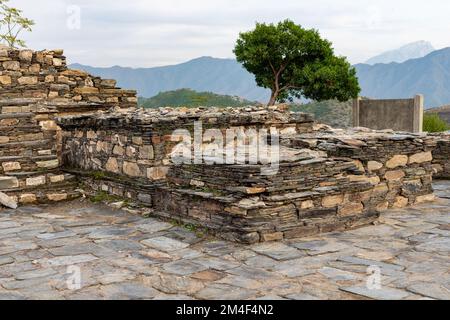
(80, 250)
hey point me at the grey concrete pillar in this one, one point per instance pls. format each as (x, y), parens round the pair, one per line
(356, 112)
(418, 113)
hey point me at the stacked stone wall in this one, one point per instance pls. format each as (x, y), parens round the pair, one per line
(400, 163)
(441, 156)
(35, 88)
(326, 180)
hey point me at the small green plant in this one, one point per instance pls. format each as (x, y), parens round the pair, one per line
(12, 23)
(199, 231)
(432, 122)
(98, 175)
(103, 196)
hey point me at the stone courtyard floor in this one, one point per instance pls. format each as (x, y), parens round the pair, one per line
(124, 256)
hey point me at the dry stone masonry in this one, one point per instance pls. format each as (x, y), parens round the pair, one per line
(63, 131)
(441, 156)
(328, 179)
(398, 164)
(35, 87)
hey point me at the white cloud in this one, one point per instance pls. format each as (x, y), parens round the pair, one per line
(150, 33)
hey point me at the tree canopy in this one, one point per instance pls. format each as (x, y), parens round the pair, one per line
(294, 62)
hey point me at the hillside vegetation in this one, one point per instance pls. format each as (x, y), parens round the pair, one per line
(332, 112)
(191, 98)
(432, 122)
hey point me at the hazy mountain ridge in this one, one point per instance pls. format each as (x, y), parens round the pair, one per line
(429, 75)
(409, 51)
(221, 76)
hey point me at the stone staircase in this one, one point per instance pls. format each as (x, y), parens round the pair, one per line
(29, 164)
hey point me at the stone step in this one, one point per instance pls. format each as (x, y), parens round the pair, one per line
(66, 193)
(26, 158)
(36, 182)
(20, 129)
(19, 101)
(21, 164)
(17, 115)
(27, 144)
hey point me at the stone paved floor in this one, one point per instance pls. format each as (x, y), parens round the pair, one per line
(123, 256)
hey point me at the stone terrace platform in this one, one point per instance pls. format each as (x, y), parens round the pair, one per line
(125, 256)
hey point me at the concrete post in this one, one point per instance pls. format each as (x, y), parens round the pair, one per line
(418, 113)
(356, 112)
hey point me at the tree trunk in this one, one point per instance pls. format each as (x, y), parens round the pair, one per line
(273, 98)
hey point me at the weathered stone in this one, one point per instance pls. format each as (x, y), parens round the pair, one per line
(27, 198)
(275, 236)
(57, 62)
(69, 260)
(146, 152)
(36, 181)
(35, 68)
(395, 175)
(57, 178)
(27, 80)
(86, 90)
(49, 164)
(351, 209)
(5, 80)
(164, 244)
(397, 161)
(131, 169)
(11, 166)
(332, 201)
(26, 55)
(112, 165)
(118, 150)
(277, 251)
(8, 182)
(57, 196)
(11, 65)
(137, 140)
(7, 201)
(378, 294)
(157, 173)
(421, 157)
(425, 198)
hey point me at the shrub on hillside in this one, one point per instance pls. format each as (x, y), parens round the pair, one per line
(433, 123)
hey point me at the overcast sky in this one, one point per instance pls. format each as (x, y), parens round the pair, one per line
(147, 33)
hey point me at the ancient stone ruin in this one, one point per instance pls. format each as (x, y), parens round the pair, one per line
(325, 180)
(35, 88)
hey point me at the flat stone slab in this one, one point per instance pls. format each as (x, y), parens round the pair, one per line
(277, 251)
(122, 256)
(378, 294)
(432, 290)
(69, 260)
(164, 244)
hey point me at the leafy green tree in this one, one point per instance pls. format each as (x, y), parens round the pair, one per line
(12, 23)
(294, 62)
(432, 122)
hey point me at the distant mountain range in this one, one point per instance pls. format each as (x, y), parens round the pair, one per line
(409, 51)
(221, 76)
(429, 75)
